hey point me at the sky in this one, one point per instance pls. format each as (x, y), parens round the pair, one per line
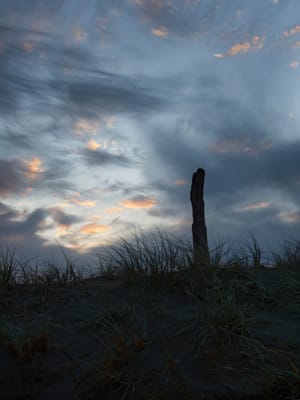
(107, 107)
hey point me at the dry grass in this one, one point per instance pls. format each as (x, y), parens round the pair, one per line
(221, 308)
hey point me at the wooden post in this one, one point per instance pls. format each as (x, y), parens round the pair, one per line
(200, 244)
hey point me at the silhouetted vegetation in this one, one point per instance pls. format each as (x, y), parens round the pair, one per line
(152, 322)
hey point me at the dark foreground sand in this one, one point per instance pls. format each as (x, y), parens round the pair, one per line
(101, 339)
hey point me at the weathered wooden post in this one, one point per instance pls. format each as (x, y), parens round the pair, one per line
(200, 244)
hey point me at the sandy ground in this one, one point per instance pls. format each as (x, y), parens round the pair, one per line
(101, 339)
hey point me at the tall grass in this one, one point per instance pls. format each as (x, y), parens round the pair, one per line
(289, 255)
(149, 257)
(222, 293)
(8, 267)
(156, 258)
(25, 338)
(15, 272)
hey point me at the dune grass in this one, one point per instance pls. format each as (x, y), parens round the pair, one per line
(25, 338)
(232, 319)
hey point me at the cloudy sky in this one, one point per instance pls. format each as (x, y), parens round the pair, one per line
(107, 107)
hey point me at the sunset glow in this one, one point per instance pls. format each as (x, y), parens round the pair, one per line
(34, 168)
(109, 107)
(92, 145)
(139, 202)
(160, 32)
(92, 229)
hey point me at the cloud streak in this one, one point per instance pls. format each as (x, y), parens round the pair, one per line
(139, 202)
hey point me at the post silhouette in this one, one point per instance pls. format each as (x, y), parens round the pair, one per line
(200, 244)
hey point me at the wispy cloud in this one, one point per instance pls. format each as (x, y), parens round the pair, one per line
(219, 55)
(28, 47)
(82, 202)
(97, 156)
(92, 229)
(79, 34)
(84, 126)
(92, 145)
(63, 219)
(252, 207)
(296, 45)
(12, 174)
(34, 168)
(160, 32)
(156, 6)
(239, 145)
(290, 217)
(113, 210)
(181, 182)
(293, 31)
(256, 43)
(294, 64)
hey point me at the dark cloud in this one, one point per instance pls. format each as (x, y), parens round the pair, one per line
(19, 230)
(107, 93)
(163, 212)
(56, 66)
(86, 91)
(246, 161)
(26, 227)
(12, 179)
(11, 138)
(7, 213)
(56, 175)
(103, 157)
(15, 177)
(63, 218)
(15, 223)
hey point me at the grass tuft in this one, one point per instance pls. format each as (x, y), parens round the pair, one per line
(289, 257)
(25, 338)
(150, 258)
(8, 267)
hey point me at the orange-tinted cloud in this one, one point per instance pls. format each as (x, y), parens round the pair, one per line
(33, 168)
(113, 210)
(83, 203)
(160, 32)
(256, 43)
(92, 145)
(290, 217)
(181, 182)
(94, 218)
(239, 48)
(91, 229)
(245, 47)
(79, 34)
(139, 202)
(83, 126)
(293, 31)
(256, 206)
(62, 229)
